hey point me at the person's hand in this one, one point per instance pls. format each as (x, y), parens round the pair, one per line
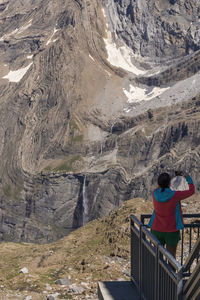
(185, 174)
(179, 173)
(172, 174)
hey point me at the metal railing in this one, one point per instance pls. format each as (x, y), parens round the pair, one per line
(154, 270)
(191, 289)
(189, 236)
(194, 255)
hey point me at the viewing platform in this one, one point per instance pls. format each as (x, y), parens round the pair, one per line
(117, 290)
(155, 274)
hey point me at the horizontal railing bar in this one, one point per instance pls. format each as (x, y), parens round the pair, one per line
(147, 243)
(135, 220)
(193, 254)
(184, 215)
(170, 272)
(133, 225)
(192, 225)
(192, 276)
(192, 286)
(189, 216)
(186, 274)
(135, 230)
(188, 225)
(143, 217)
(171, 259)
(197, 293)
(149, 247)
(150, 235)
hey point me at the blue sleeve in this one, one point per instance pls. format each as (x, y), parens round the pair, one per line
(189, 180)
(151, 220)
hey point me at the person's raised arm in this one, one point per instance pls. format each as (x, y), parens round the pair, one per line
(180, 195)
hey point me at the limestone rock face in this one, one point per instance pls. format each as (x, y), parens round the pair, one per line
(96, 99)
(158, 30)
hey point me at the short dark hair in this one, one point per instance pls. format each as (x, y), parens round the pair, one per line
(164, 181)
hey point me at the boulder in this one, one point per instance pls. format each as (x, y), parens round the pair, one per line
(63, 281)
(76, 289)
(24, 270)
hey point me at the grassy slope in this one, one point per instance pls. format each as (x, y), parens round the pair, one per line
(86, 255)
(98, 251)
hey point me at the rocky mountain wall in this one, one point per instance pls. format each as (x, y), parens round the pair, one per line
(73, 144)
(158, 30)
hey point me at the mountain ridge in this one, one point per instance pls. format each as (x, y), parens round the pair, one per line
(91, 116)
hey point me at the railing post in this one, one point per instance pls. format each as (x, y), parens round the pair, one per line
(135, 251)
(180, 285)
(140, 263)
(131, 249)
(156, 273)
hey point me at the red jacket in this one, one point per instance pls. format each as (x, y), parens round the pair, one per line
(167, 214)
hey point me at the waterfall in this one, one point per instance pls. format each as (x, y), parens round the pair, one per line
(85, 202)
(101, 152)
(111, 127)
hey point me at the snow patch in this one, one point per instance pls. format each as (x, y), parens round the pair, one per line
(121, 56)
(16, 76)
(91, 57)
(137, 94)
(50, 40)
(30, 56)
(16, 31)
(179, 92)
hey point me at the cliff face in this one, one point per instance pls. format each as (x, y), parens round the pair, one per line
(96, 100)
(158, 30)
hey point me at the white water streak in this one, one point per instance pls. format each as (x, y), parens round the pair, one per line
(85, 202)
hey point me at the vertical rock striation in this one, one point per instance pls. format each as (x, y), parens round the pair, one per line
(73, 144)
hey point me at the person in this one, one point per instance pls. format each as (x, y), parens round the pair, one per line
(167, 220)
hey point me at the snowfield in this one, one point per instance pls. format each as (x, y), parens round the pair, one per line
(121, 56)
(30, 56)
(16, 76)
(136, 94)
